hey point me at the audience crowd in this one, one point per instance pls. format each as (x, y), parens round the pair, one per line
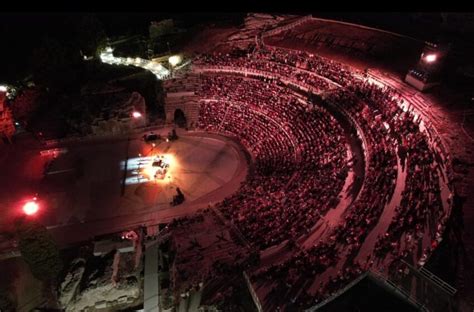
(300, 156)
(301, 164)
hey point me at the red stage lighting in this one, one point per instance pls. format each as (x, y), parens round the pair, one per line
(30, 208)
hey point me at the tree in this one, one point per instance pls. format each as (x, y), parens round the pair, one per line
(91, 35)
(39, 250)
(7, 304)
(41, 253)
(147, 85)
(161, 28)
(25, 103)
(56, 66)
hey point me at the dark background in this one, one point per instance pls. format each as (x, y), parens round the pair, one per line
(21, 32)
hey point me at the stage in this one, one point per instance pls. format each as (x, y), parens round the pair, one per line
(97, 185)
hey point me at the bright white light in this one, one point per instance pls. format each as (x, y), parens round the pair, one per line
(169, 159)
(136, 114)
(158, 168)
(3, 89)
(136, 162)
(141, 170)
(430, 58)
(174, 60)
(157, 69)
(30, 208)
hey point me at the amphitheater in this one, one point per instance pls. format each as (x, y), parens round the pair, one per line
(348, 172)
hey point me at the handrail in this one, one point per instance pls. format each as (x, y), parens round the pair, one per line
(256, 301)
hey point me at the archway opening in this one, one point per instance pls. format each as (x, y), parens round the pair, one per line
(180, 118)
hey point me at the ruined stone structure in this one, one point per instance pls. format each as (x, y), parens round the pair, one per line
(181, 100)
(7, 127)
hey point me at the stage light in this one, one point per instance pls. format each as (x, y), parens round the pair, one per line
(158, 168)
(136, 114)
(149, 172)
(169, 159)
(430, 58)
(31, 207)
(174, 60)
(3, 89)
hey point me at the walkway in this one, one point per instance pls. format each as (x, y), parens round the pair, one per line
(151, 288)
(387, 214)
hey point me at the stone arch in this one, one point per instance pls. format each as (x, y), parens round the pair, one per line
(189, 108)
(180, 118)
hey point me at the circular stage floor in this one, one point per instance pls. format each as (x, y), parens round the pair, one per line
(200, 165)
(97, 183)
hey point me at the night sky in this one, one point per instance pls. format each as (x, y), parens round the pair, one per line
(22, 33)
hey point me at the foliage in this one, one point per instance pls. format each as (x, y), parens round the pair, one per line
(25, 103)
(148, 86)
(56, 66)
(158, 29)
(7, 304)
(101, 73)
(39, 250)
(91, 35)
